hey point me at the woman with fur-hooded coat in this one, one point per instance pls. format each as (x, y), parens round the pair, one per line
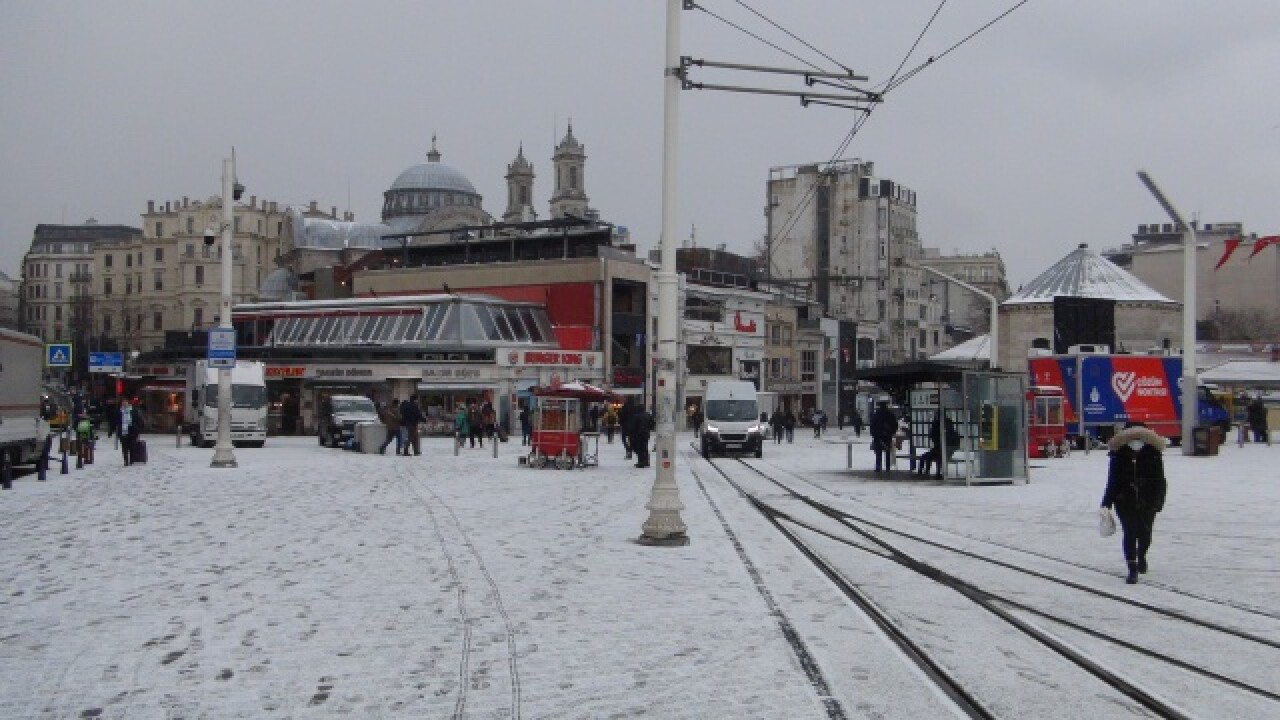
(1136, 488)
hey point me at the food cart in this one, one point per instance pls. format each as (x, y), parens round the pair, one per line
(558, 436)
(1046, 427)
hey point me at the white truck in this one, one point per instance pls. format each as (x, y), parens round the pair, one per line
(248, 404)
(23, 427)
(731, 419)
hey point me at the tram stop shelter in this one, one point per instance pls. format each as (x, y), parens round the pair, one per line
(986, 409)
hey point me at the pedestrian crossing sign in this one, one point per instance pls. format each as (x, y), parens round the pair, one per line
(57, 355)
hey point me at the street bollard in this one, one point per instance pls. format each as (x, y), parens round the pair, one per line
(42, 466)
(493, 440)
(1240, 436)
(457, 442)
(80, 455)
(177, 434)
(63, 446)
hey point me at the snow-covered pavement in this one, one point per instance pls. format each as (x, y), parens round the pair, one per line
(311, 582)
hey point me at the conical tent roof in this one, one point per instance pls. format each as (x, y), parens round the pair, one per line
(1085, 273)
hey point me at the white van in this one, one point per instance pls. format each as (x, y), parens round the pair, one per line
(731, 419)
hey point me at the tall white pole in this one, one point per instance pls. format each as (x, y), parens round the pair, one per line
(223, 454)
(1190, 413)
(994, 337)
(664, 525)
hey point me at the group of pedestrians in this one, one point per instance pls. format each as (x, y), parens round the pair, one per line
(403, 420)
(783, 424)
(637, 424)
(473, 423)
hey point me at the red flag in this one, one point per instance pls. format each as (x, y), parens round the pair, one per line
(1263, 242)
(1231, 244)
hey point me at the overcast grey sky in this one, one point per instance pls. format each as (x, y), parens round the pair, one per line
(1026, 139)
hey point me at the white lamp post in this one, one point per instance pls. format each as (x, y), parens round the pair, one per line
(664, 525)
(1190, 411)
(993, 337)
(223, 454)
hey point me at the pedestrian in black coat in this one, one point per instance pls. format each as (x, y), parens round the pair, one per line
(526, 426)
(883, 427)
(1136, 489)
(1256, 413)
(779, 426)
(641, 425)
(789, 423)
(410, 417)
(857, 422)
(625, 418)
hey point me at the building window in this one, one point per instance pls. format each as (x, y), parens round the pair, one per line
(57, 291)
(106, 324)
(106, 260)
(57, 313)
(159, 229)
(191, 226)
(237, 224)
(139, 258)
(199, 274)
(157, 321)
(128, 260)
(159, 255)
(191, 251)
(197, 317)
(106, 286)
(808, 365)
(57, 270)
(159, 280)
(573, 178)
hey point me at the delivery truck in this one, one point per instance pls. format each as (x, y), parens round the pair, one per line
(23, 422)
(248, 404)
(1104, 391)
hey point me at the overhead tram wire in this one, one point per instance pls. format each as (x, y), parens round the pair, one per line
(793, 36)
(894, 82)
(934, 58)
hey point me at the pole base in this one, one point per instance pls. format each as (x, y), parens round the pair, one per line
(668, 541)
(223, 458)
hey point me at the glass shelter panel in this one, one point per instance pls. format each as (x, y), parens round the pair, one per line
(996, 406)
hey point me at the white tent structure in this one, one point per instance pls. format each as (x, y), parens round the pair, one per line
(1241, 374)
(974, 352)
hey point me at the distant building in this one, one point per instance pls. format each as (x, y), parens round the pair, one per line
(964, 313)
(10, 302)
(1243, 282)
(57, 274)
(849, 240)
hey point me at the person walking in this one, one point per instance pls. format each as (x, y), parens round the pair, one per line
(610, 421)
(129, 428)
(883, 427)
(778, 425)
(410, 417)
(389, 414)
(857, 423)
(1256, 413)
(641, 425)
(490, 420)
(526, 425)
(625, 416)
(462, 425)
(789, 423)
(816, 423)
(475, 423)
(1136, 488)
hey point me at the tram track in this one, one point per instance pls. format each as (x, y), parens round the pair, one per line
(869, 536)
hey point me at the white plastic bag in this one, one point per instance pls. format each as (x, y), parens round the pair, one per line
(1106, 523)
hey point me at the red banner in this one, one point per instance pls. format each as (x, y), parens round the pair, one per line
(1263, 242)
(1231, 245)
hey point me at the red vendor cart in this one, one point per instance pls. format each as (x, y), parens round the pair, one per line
(1046, 426)
(558, 436)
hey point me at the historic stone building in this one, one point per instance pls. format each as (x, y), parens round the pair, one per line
(57, 275)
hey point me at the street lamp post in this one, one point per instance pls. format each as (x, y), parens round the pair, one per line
(1190, 412)
(223, 454)
(664, 525)
(993, 338)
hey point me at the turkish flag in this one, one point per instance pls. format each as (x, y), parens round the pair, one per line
(1231, 245)
(1263, 242)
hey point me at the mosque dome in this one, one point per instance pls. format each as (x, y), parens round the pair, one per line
(433, 176)
(425, 189)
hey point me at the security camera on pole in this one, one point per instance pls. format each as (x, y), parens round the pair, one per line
(223, 455)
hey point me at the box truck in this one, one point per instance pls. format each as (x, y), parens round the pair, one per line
(731, 419)
(248, 404)
(1103, 391)
(23, 422)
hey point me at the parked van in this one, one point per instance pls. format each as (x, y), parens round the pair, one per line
(731, 419)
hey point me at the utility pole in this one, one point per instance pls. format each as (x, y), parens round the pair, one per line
(1190, 412)
(223, 454)
(664, 526)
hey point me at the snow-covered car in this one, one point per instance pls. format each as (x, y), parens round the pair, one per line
(339, 417)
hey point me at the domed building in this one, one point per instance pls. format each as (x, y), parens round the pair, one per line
(1143, 318)
(432, 196)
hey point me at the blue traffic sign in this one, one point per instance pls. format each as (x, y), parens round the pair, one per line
(57, 355)
(106, 362)
(222, 347)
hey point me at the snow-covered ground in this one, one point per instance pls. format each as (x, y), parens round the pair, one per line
(311, 582)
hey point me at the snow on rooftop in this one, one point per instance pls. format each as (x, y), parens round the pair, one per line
(1085, 273)
(1257, 373)
(975, 349)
